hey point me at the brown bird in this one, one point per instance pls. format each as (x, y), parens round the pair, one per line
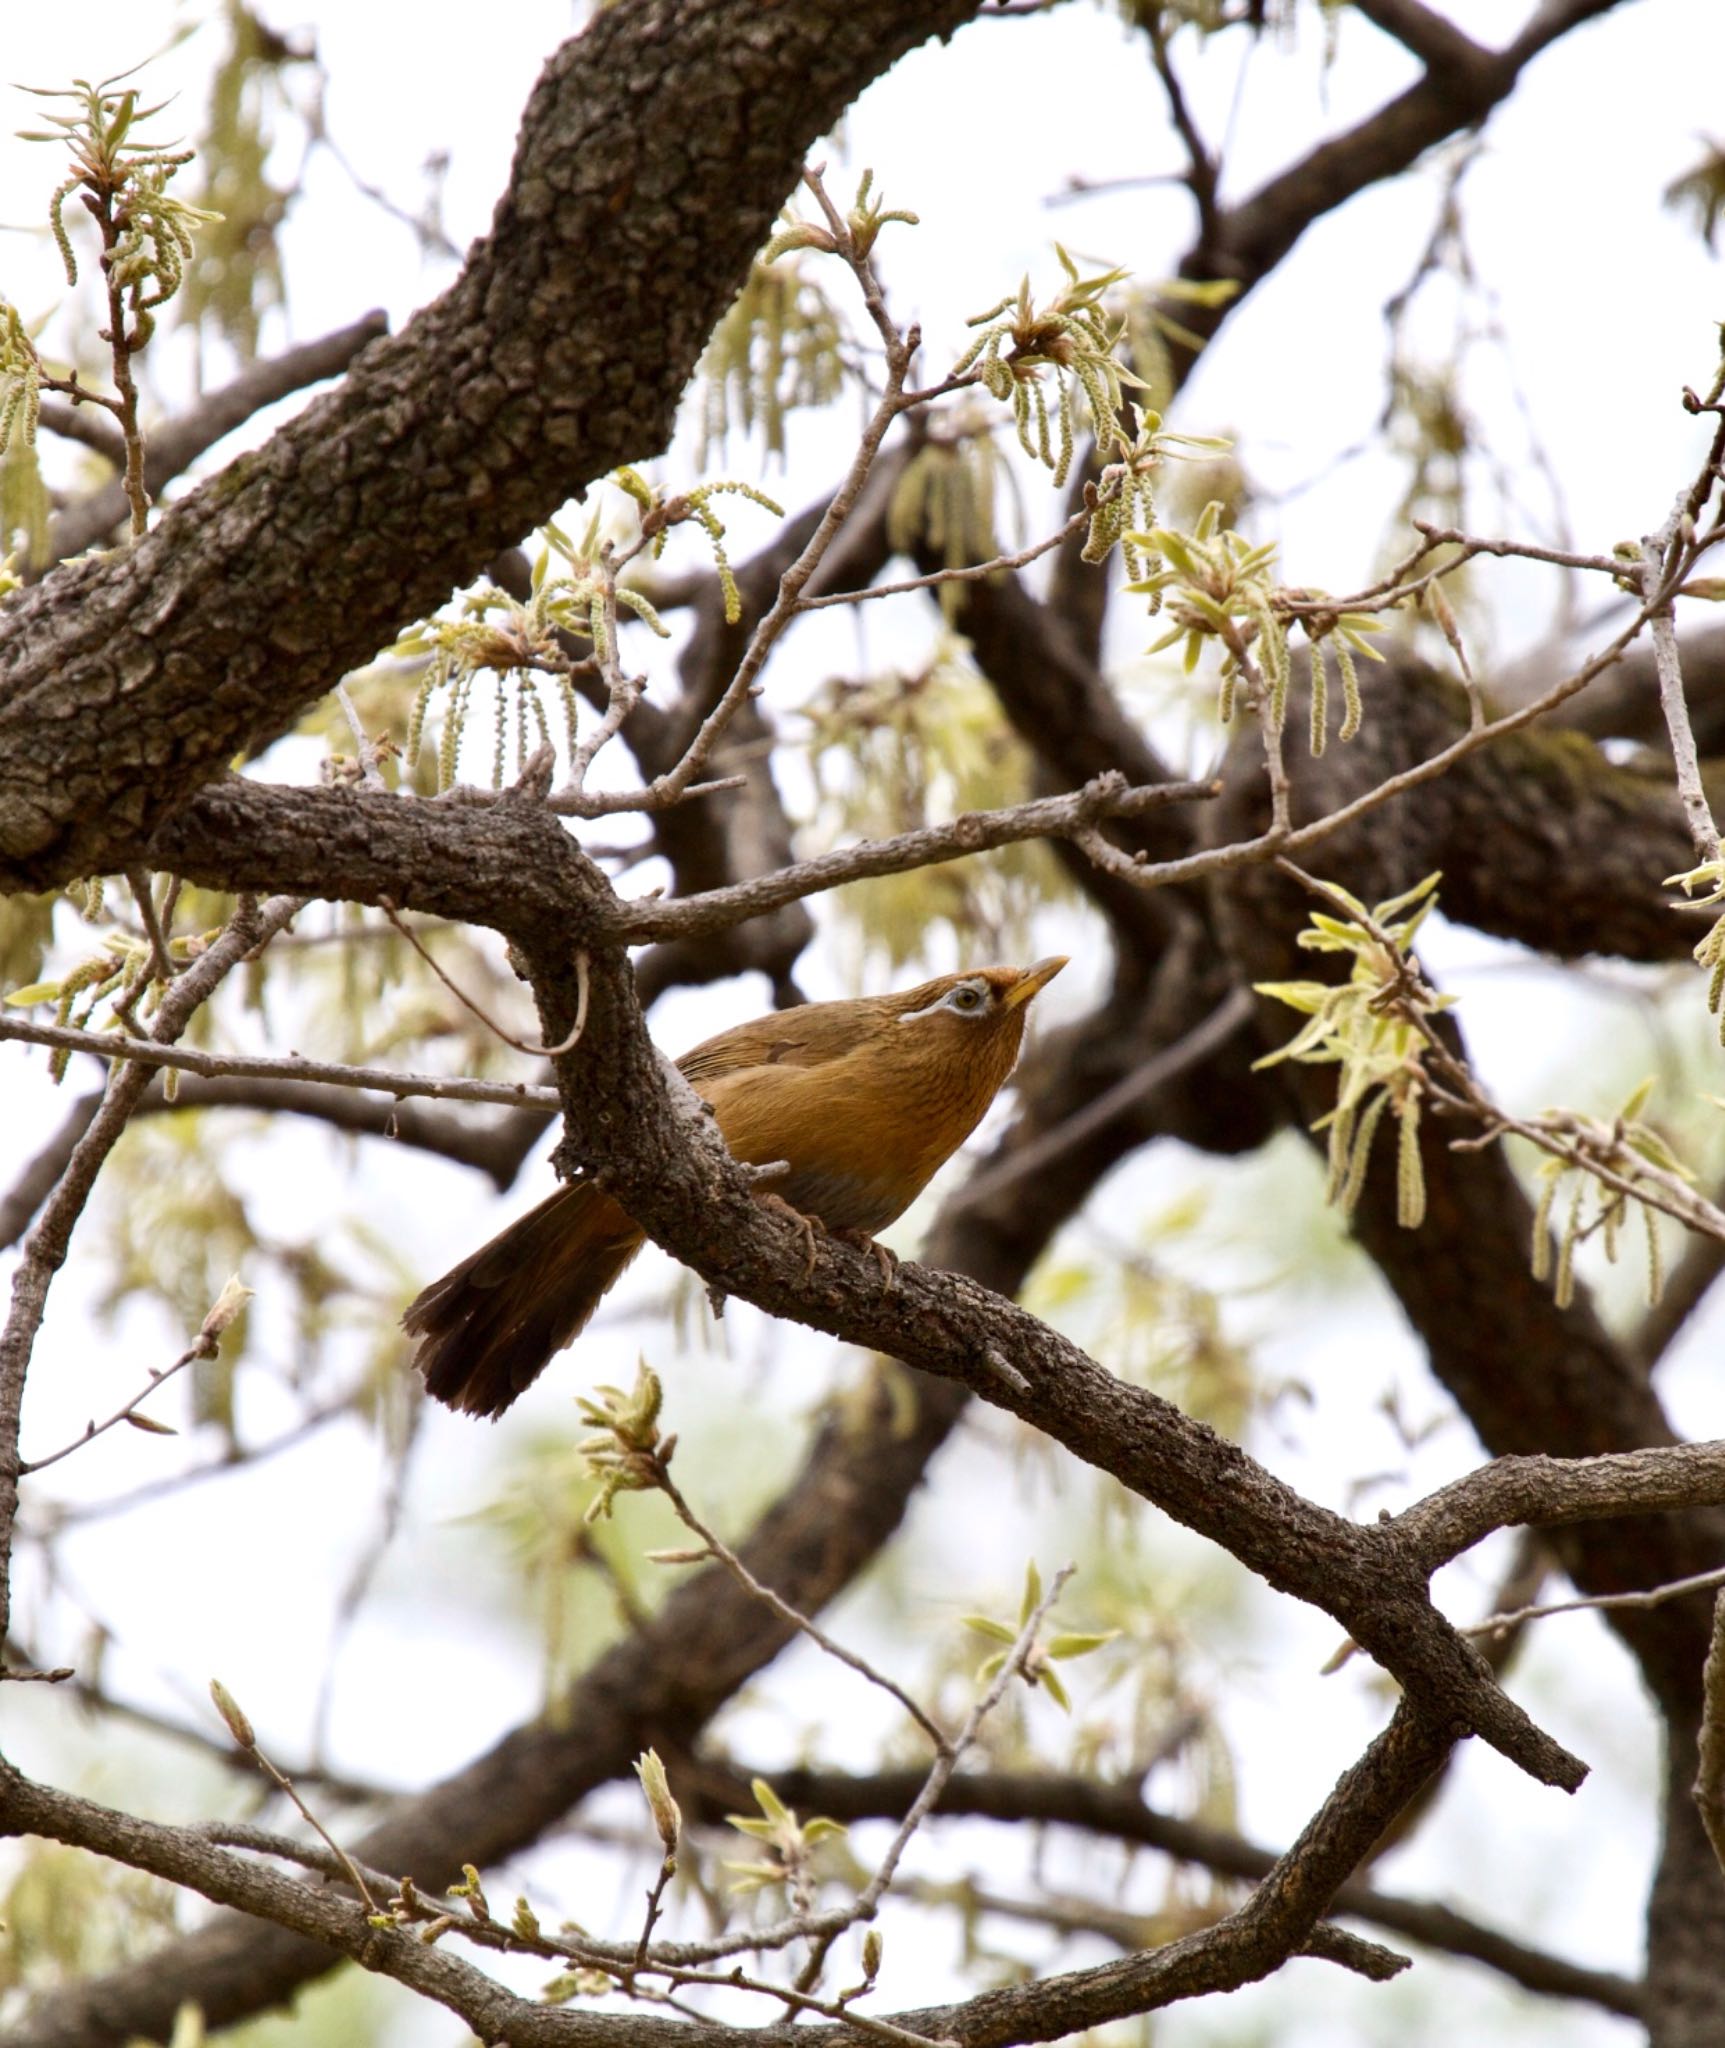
(864, 1099)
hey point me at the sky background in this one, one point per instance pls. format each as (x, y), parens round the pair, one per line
(1609, 305)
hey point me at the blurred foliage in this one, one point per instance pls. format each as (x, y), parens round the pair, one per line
(20, 385)
(343, 2009)
(360, 994)
(582, 1578)
(1427, 424)
(382, 702)
(69, 1915)
(779, 349)
(1153, 325)
(895, 752)
(237, 276)
(1155, 1328)
(175, 1228)
(1700, 193)
(26, 931)
(948, 495)
(118, 978)
(25, 507)
(1211, 17)
(587, 1578)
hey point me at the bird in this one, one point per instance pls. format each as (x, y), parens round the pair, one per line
(864, 1100)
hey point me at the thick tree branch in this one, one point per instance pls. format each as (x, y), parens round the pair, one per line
(658, 1686)
(672, 1174)
(1118, 1812)
(447, 442)
(1280, 1919)
(173, 447)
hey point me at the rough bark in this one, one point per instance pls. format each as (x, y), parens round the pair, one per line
(654, 152)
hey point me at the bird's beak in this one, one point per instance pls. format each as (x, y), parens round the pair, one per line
(1033, 979)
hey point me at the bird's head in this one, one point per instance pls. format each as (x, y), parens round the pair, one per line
(963, 1012)
(984, 996)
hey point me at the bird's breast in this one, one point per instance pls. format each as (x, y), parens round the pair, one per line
(863, 1134)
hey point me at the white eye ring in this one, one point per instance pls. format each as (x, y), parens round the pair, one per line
(965, 997)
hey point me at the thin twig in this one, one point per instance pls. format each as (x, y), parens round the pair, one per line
(900, 350)
(241, 1730)
(237, 1834)
(1052, 817)
(202, 1346)
(978, 572)
(1517, 550)
(1709, 1790)
(1653, 1596)
(946, 1762)
(248, 931)
(161, 960)
(655, 1905)
(719, 1549)
(370, 772)
(491, 1024)
(144, 1052)
(1673, 704)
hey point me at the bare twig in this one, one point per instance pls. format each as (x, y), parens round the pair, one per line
(491, 1024)
(45, 1249)
(161, 962)
(900, 349)
(1201, 164)
(1656, 550)
(717, 1548)
(977, 572)
(245, 1737)
(204, 1345)
(370, 772)
(946, 1762)
(147, 1053)
(1517, 550)
(1652, 1596)
(1056, 817)
(1709, 1791)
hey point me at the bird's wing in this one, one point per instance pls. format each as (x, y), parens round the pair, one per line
(807, 1037)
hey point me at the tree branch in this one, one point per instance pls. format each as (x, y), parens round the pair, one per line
(174, 446)
(1118, 1812)
(197, 642)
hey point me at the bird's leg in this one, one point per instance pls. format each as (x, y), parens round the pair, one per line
(806, 1224)
(883, 1255)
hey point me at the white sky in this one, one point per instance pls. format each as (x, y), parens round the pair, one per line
(1610, 304)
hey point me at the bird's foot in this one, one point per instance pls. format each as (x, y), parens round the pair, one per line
(807, 1225)
(883, 1255)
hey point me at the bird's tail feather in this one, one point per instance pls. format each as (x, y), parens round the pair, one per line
(488, 1328)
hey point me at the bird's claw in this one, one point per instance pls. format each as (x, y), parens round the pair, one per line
(806, 1225)
(883, 1255)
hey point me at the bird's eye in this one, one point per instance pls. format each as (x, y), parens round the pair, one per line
(966, 998)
